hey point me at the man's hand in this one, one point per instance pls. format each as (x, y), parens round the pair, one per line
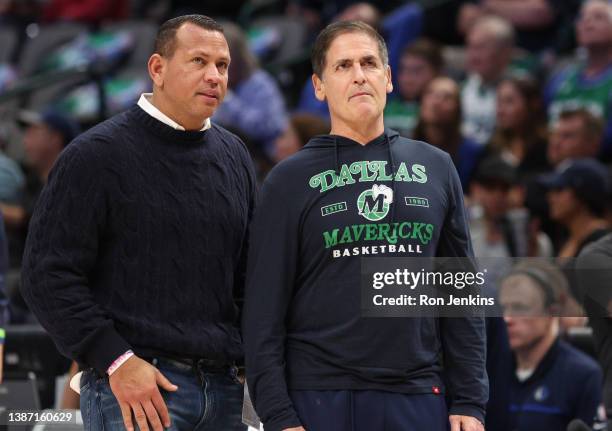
(465, 423)
(134, 384)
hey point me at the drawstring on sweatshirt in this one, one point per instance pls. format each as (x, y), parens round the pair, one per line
(392, 163)
(336, 156)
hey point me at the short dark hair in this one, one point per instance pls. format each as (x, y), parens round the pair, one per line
(165, 41)
(332, 31)
(427, 50)
(592, 126)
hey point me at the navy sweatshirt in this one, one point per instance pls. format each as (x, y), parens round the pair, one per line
(302, 325)
(138, 241)
(566, 384)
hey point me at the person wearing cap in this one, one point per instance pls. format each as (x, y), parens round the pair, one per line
(45, 136)
(577, 194)
(135, 258)
(549, 382)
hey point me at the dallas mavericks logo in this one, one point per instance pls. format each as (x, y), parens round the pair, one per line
(374, 203)
(541, 393)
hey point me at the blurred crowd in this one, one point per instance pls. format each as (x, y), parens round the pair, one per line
(518, 92)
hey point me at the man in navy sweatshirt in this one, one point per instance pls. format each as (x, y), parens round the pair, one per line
(549, 382)
(135, 255)
(313, 362)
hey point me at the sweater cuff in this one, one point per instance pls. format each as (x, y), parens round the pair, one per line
(468, 410)
(105, 346)
(288, 420)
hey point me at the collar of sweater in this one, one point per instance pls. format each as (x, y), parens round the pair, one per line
(166, 132)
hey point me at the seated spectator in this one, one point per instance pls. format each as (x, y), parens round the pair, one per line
(588, 83)
(576, 134)
(420, 63)
(301, 128)
(11, 180)
(577, 193)
(499, 228)
(45, 137)
(594, 276)
(253, 106)
(361, 11)
(533, 20)
(319, 13)
(440, 125)
(552, 383)
(577, 201)
(490, 44)
(520, 133)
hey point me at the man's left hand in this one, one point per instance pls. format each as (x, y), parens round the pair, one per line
(465, 423)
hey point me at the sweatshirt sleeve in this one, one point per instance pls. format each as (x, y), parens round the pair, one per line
(271, 274)
(240, 273)
(463, 338)
(64, 237)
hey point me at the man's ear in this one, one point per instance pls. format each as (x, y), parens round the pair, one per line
(389, 86)
(157, 68)
(319, 87)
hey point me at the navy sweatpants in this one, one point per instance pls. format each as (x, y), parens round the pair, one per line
(370, 411)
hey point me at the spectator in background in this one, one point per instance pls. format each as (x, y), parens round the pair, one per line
(533, 20)
(11, 180)
(440, 125)
(594, 273)
(45, 136)
(319, 13)
(301, 128)
(421, 62)
(520, 132)
(588, 83)
(254, 107)
(361, 11)
(490, 44)
(577, 195)
(551, 383)
(498, 227)
(576, 134)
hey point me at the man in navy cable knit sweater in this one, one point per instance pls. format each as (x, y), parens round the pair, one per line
(134, 261)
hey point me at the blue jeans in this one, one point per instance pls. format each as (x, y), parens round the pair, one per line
(206, 400)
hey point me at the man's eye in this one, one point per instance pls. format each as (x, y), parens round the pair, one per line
(222, 66)
(198, 60)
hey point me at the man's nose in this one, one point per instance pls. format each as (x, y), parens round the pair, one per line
(359, 75)
(211, 74)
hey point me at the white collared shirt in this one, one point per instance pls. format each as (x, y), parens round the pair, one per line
(150, 109)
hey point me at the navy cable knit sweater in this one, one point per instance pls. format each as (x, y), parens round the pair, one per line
(138, 241)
